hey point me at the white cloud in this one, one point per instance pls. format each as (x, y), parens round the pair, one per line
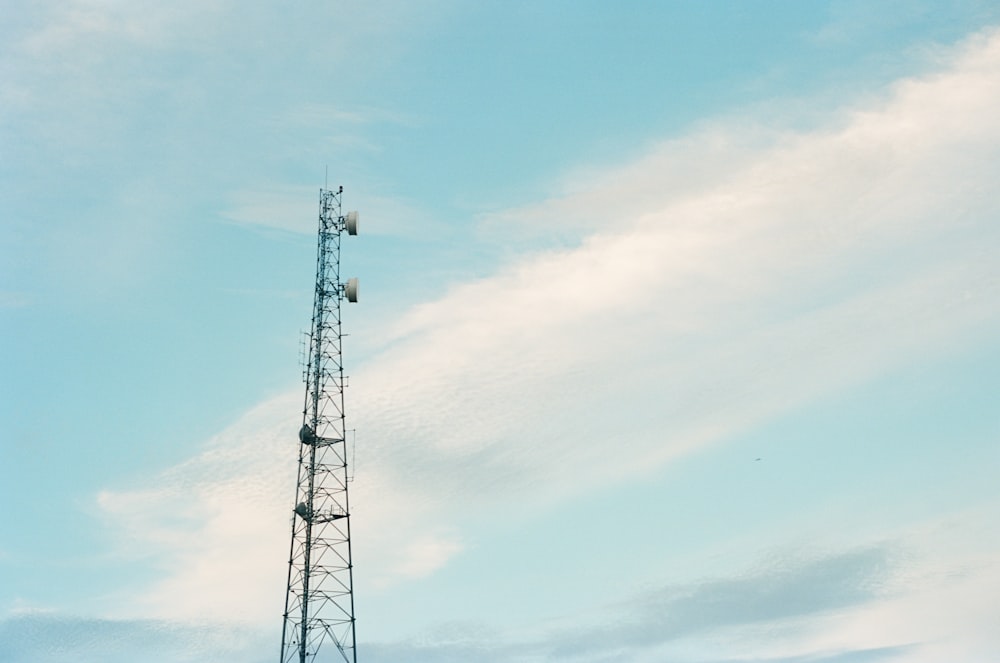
(294, 209)
(213, 524)
(291, 208)
(424, 555)
(829, 258)
(682, 313)
(79, 26)
(217, 525)
(10, 299)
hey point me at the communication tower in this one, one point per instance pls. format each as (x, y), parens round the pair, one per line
(319, 602)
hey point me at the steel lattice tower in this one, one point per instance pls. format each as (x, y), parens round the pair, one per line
(319, 603)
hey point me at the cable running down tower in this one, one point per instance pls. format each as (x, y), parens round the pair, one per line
(319, 602)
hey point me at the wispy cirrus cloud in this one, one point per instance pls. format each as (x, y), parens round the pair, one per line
(827, 259)
(817, 260)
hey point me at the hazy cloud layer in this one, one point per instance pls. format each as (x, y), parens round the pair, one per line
(41, 638)
(638, 629)
(788, 588)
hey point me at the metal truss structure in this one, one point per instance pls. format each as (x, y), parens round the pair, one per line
(319, 603)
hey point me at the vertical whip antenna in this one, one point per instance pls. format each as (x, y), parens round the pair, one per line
(319, 601)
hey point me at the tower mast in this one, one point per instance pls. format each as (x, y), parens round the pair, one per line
(319, 601)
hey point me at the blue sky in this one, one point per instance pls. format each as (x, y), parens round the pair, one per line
(609, 258)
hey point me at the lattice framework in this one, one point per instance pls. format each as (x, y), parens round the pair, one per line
(319, 602)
